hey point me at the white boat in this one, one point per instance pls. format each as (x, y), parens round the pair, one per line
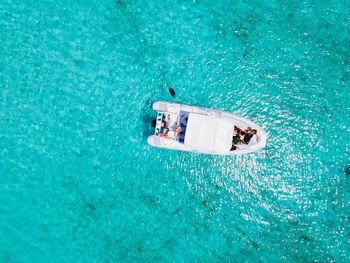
(196, 129)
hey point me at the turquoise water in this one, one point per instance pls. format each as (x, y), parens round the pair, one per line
(78, 182)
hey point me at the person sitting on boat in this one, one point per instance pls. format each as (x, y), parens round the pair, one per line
(242, 136)
(164, 125)
(246, 138)
(154, 123)
(181, 137)
(249, 134)
(178, 130)
(237, 130)
(183, 123)
(254, 138)
(235, 138)
(181, 129)
(183, 120)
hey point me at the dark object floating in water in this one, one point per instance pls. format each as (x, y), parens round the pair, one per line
(154, 122)
(90, 207)
(304, 237)
(254, 245)
(205, 202)
(172, 92)
(347, 170)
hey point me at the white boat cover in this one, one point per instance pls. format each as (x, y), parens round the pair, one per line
(208, 134)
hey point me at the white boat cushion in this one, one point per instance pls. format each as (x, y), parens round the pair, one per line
(208, 133)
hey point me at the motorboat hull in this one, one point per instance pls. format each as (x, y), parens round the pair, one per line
(173, 110)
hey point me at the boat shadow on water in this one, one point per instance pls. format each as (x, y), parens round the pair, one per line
(148, 130)
(147, 115)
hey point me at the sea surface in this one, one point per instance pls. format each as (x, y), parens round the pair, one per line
(78, 181)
